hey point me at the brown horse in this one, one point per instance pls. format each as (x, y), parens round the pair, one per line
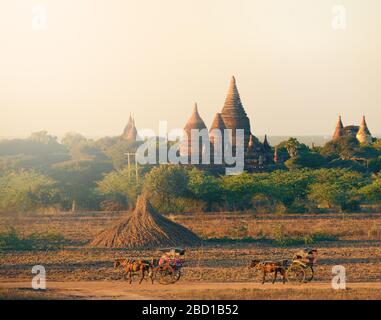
(132, 267)
(270, 267)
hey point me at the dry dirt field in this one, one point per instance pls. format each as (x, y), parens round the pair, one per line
(217, 270)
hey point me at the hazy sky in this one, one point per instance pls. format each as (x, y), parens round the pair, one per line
(99, 60)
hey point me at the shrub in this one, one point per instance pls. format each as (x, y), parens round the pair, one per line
(11, 240)
(237, 240)
(297, 207)
(263, 204)
(184, 205)
(283, 240)
(305, 159)
(23, 191)
(372, 192)
(112, 205)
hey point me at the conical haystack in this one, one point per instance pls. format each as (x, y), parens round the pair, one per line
(145, 228)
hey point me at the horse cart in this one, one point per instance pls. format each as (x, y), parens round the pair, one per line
(299, 269)
(168, 268)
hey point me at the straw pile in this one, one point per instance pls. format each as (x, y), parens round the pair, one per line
(145, 228)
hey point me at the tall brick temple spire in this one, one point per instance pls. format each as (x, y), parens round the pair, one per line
(339, 131)
(130, 132)
(234, 115)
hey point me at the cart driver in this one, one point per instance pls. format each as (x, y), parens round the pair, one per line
(164, 259)
(307, 255)
(168, 258)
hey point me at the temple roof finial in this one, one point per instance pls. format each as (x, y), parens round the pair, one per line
(363, 122)
(266, 145)
(195, 108)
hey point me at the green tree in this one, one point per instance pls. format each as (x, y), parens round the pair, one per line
(374, 165)
(287, 186)
(117, 152)
(344, 148)
(372, 192)
(164, 183)
(43, 137)
(81, 148)
(121, 186)
(238, 190)
(377, 144)
(328, 195)
(347, 179)
(367, 151)
(346, 164)
(337, 187)
(77, 180)
(72, 139)
(293, 146)
(305, 159)
(203, 186)
(37, 152)
(26, 190)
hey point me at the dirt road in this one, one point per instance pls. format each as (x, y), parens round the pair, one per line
(147, 291)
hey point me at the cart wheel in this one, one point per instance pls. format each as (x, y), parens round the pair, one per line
(176, 275)
(295, 274)
(166, 275)
(309, 274)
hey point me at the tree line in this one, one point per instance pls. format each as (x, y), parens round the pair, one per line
(83, 174)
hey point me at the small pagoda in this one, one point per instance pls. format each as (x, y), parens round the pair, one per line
(130, 133)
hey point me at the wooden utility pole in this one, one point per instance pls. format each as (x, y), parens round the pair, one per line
(136, 170)
(129, 154)
(129, 166)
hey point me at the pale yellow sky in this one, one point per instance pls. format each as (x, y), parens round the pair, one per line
(99, 60)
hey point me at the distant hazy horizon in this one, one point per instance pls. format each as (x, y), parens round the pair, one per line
(98, 61)
(273, 140)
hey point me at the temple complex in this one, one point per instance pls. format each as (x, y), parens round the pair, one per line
(217, 141)
(234, 117)
(361, 133)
